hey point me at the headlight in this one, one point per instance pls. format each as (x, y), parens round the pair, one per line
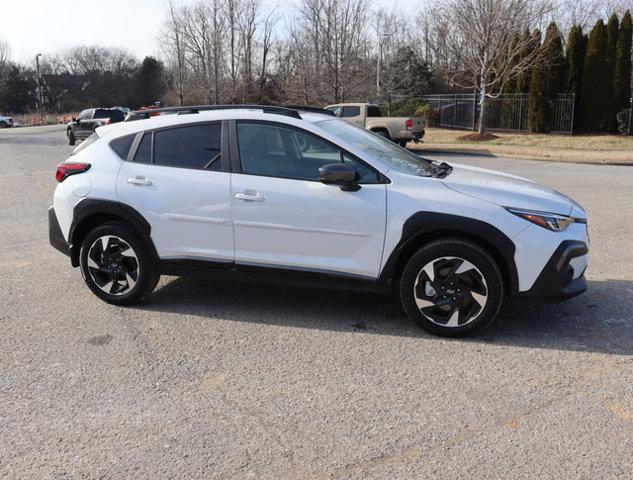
(550, 221)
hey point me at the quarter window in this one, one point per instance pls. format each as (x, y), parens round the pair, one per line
(122, 145)
(192, 146)
(276, 151)
(373, 111)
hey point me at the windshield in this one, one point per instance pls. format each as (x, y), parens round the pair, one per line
(382, 149)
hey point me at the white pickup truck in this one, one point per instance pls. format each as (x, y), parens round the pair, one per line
(399, 129)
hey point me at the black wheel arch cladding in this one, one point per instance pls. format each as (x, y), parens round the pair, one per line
(423, 227)
(89, 213)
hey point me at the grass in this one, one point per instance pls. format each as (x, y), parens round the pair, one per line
(613, 149)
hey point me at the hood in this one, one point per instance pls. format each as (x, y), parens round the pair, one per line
(506, 190)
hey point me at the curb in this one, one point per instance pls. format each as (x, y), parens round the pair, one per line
(489, 154)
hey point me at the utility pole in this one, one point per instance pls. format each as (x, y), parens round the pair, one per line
(39, 87)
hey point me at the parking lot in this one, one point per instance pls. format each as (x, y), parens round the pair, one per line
(238, 380)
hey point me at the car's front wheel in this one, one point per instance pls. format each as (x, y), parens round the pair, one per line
(117, 265)
(451, 287)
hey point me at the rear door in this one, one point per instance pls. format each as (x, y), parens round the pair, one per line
(178, 180)
(285, 217)
(352, 114)
(83, 128)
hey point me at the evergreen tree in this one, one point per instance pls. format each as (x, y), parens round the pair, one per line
(523, 80)
(622, 73)
(576, 51)
(150, 81)
(595, 88)
(613, 33)
(511, 85)
(14, 91)
(548, 79)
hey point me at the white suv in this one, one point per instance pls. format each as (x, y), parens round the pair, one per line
(278, 193)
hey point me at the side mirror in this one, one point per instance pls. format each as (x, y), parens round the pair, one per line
(340, 174)
(74, 119)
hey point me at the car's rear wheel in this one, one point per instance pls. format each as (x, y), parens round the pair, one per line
(451, 287)
(117, 265)
(403, 143)
(71, 137)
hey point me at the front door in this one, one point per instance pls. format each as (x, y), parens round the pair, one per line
(178, 183)
(285, 217)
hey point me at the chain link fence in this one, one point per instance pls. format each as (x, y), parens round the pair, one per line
(506, 112)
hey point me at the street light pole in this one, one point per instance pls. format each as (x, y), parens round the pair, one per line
(39, 87)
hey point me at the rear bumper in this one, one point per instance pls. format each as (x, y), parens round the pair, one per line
(55, 236)
(409, 135)
(559, 280)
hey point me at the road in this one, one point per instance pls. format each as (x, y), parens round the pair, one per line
(254, 381)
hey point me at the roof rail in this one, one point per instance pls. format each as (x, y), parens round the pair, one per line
(310, 109)
(272, 109)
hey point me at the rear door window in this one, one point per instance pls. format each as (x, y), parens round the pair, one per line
(350, 111)
(144, 151)
(191, 146)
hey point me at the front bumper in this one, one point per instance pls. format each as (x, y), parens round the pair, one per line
(55, 236)
(559, 280)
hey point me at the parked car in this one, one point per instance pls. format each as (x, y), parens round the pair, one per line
(6, 122)
(273, 193)
(398, 129)
(88, 120)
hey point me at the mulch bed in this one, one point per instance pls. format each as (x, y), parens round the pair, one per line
(476, 137)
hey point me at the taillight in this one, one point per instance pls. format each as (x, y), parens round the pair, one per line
(408, 123)
(65, 170)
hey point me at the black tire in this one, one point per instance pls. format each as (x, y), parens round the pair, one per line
(449, 291)
(113, 268)
(383, 134)
(71, 138)
(4, 125)
(403, 143)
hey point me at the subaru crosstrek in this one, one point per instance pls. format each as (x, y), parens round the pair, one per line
(275, 193)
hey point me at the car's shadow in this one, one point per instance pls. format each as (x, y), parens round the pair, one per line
(600, 320)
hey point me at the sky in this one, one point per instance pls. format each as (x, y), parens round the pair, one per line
(46, 26)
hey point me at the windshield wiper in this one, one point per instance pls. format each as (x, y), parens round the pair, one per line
(442, 170)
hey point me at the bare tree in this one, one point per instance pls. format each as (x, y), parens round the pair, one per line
(174, 50)
(481, 37)
(5, 56)
(392, 33)
(267, 43)
(334, 34)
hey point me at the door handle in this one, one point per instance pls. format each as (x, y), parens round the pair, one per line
(142, 181)
(250, 197)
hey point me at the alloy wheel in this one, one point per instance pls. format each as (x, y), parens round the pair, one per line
(450, 291)
(113, 265)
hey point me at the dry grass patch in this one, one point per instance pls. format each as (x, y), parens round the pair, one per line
(576, 148)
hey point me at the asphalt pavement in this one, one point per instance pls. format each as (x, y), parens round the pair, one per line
(231, 380)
